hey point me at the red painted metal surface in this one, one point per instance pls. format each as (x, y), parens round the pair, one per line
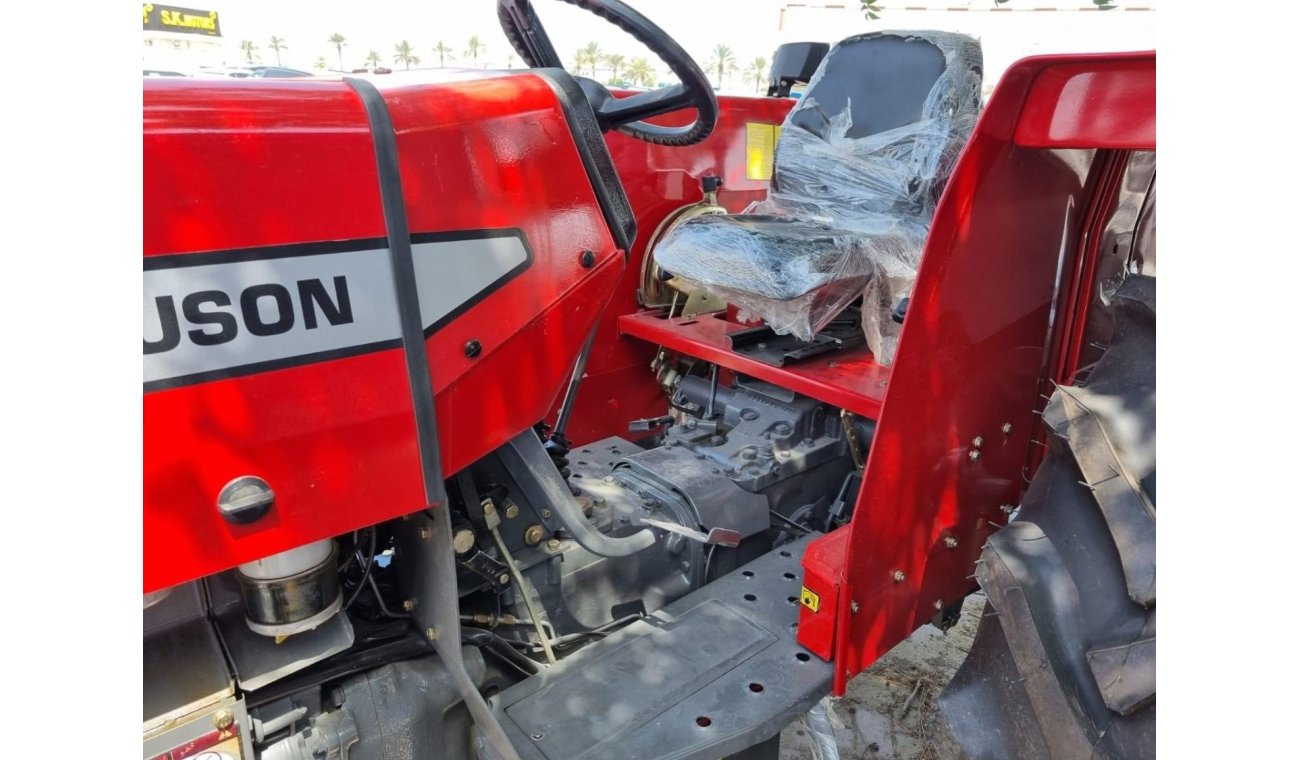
(1088, 101)
(619, 386)
(848, 379)
(974, 349)
(238, 164)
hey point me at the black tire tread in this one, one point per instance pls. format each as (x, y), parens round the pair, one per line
(1063, 665)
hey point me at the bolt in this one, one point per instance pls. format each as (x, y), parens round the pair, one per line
(425, 533)
(950, 542)
(553, 545)
(1006, 428)
(853, 607)
(489, 508)
(718, 440)
(974, 455)
(538, 736)
(588, 259)
(408, 604)
(938, 604)
(472, 349)
(1008, 508)
(503, 579)
(978, 442)
(899, 577)
(609, 479)
(512, 511)
(546, 514)
(533, 535)
(223, 719)
(431, 633)
(462, 541)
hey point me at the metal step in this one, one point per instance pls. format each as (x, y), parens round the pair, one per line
(709, 675)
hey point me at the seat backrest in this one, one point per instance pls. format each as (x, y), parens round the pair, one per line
(879, 127)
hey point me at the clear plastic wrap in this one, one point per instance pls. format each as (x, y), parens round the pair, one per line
(848, 215)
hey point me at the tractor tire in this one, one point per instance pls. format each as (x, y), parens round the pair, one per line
(1064, 661)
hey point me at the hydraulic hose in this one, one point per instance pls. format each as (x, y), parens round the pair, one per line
(542, 484)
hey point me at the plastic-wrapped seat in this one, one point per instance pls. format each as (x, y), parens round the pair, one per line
(860, 165)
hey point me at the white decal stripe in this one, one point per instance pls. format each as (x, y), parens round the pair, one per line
(449, 274)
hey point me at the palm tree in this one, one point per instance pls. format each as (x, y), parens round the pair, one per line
(338, 41)
(591, 56)
(249, 48)
(639, 71)
(614, 62)
(757, 71)
(405, 54)
(444, 52)
(320, 64)
(723, 60)
(373, 59)
(277, 44)
(476, 46)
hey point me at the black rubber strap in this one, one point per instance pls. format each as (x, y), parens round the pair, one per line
(442, 616)
(408, 296)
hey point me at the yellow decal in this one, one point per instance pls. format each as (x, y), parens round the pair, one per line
(809, 599)
(760, 148)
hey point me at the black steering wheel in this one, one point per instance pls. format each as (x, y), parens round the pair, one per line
(525, 32)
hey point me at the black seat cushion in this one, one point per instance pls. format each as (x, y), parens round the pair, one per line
(860, 166)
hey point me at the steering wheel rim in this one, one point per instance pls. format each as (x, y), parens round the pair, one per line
(524, 31)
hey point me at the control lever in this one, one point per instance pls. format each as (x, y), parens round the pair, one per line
(648, 424)
(719, 536)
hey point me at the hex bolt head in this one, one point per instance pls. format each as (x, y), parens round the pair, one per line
(1008, 508)
(950, 542)
(546, 514)
(431, 633)
(425, 533)
(503, 579)
(938, 604)
(587, 259)
(974, 455)
(512, 511)
(854, 607)
(553, 545)
(978, 442)
(533, 535)
(408, 604)
(1006, 428)
(223, 719)
(899, 577)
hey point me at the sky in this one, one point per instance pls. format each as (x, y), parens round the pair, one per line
(751, 28)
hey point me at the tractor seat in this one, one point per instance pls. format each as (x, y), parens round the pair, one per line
(860, 165)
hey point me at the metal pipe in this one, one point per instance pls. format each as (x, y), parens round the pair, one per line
(524, 589)
(543, 485)
(571, 393)
(713, 391)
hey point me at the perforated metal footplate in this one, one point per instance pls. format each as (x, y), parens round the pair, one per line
(715, 672)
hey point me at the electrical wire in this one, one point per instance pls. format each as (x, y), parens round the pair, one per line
(365, 574)
(380, 598)
(803, 531)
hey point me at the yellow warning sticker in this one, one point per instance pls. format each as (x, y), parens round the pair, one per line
(809, 598)
(760, 149)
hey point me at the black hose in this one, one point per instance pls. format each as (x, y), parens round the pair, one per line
(493, 643)
(365, 574)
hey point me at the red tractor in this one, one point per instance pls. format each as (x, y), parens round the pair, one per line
(496, 414)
